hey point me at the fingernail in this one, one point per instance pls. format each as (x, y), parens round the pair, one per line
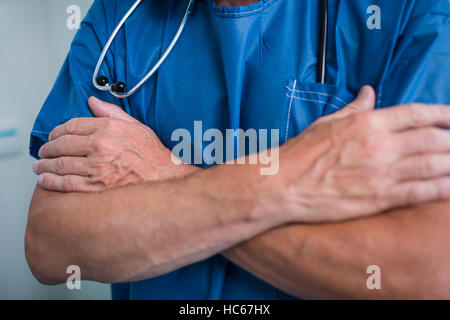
(35, 166)
(40, 153)
(40, 179)
(364, 92)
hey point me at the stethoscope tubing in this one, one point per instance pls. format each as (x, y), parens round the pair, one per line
(155, 67)
(322, 56)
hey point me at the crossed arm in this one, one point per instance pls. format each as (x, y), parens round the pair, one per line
(140, 231)
(150, 228)
(330, 261)
(308, 261)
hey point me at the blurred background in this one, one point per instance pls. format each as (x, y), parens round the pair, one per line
(35, 37)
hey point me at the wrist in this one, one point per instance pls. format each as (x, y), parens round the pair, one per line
(185, 170)
(239, 191)
(281, 194)
(262, 197)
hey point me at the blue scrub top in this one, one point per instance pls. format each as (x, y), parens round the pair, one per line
(248, 67)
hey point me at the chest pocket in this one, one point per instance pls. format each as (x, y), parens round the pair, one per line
(306, 102)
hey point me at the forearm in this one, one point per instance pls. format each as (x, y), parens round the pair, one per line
(141, 231)
(330, 261)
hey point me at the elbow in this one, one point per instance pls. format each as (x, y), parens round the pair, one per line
(37, 253)
(35, 260)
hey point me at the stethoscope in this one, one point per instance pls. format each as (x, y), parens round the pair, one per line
(119, 89)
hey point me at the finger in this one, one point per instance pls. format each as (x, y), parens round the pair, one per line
(103, 109)
(424, 140)
(74, 146)
(77, 126)
(412, 193)
(63, 166)
(413, 116)
(365, 101)
(422, 167)
(71, 183)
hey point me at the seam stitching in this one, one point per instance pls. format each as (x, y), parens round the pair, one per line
(319, 93)
(289, 110)
(245, 13)
(317, 101)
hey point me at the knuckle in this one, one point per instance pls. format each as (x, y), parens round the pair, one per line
(427, 167)
(94, 165)
(96, 169)
(393, 198)
(110, 124)
(361, 122)
(71, 126)
(68, 184)
(431, 137)
(371, 151)
(60, 165)
(413, 195)
(90, 166)
(417, 113)
(365, 119)
(59, 144)
(356, 119)
(383, 199)
(374, 147)
(100, 145)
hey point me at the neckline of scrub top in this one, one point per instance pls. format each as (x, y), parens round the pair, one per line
(240, 11)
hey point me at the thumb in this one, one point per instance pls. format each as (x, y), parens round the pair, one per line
(365, 101)
(102, 109)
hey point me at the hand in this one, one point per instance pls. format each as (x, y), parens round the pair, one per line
(112, 150)
(359, 162)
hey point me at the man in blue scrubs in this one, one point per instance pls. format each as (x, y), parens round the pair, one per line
(250, 65)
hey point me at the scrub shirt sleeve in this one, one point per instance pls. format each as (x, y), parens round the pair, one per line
(70, 93)
(419, 70)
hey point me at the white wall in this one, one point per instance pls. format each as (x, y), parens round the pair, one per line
(34, 40)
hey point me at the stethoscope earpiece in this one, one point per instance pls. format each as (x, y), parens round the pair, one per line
(119, 87)
(102, 81)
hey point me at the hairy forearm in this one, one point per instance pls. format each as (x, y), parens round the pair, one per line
(140, 231)
(330, 261)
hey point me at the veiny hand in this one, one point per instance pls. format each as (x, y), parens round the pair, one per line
(353, 163)
(111, 150)
(359, 162)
